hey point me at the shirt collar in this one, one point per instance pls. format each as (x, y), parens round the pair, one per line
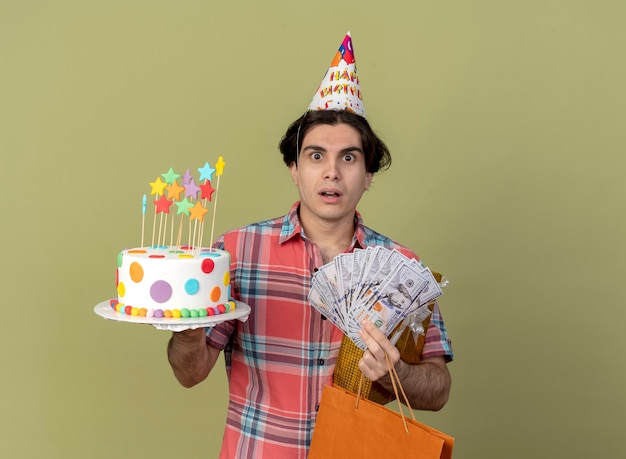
(292, 227)
(291, 224)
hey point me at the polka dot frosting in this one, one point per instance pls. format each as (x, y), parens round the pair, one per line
(180, 282)
(216, 292)
(192, 286)
(161, 291)
(136, 272)
(207, 266)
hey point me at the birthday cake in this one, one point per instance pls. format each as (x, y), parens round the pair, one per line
(174, 282)
(176, 279)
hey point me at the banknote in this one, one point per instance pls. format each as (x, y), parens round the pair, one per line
(378, 284)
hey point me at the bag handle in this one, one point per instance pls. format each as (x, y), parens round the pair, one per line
(395, 383)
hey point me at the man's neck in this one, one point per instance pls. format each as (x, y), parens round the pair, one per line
(332, 237)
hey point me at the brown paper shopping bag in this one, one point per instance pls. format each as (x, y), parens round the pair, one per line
(349, 426)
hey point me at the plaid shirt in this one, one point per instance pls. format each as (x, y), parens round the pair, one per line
(279, 360)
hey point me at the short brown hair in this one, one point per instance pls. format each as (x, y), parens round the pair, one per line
(377, 156)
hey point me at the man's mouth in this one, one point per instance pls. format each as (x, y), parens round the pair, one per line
(330, 194)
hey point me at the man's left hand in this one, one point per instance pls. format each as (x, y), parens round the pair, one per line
(373, 364)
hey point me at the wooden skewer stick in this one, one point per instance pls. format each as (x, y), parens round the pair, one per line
(143, 218)
(217, 189)
(154, 221)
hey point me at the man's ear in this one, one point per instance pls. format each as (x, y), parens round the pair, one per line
(368, 179)
(293, 169)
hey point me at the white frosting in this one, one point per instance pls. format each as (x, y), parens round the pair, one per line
(173, 278)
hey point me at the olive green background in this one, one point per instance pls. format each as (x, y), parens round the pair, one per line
(506, 124)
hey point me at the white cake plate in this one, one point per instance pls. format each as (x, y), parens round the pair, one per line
(241, 312)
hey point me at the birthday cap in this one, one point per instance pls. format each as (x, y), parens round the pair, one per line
(339, 89)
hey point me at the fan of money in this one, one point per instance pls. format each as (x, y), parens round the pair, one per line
(378, 284)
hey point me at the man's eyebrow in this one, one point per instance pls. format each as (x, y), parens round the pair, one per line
(351, 149)
(344, 150)
(313, 147)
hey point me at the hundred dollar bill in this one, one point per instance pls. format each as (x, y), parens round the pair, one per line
(320, 297)
(393, 299)
(343, 274)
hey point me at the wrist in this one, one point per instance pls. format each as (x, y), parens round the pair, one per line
(188, 339)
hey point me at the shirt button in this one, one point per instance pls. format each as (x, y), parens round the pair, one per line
(320, 361)
(323, 317)
(317, 407)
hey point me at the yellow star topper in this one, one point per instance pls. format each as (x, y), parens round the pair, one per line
(219, 166)
(157, 186)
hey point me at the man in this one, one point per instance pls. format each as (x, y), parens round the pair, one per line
(279, 360)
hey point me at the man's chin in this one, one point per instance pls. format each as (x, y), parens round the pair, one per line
(335, 215)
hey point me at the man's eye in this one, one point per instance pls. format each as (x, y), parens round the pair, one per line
(316, 156)
(348, 158)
